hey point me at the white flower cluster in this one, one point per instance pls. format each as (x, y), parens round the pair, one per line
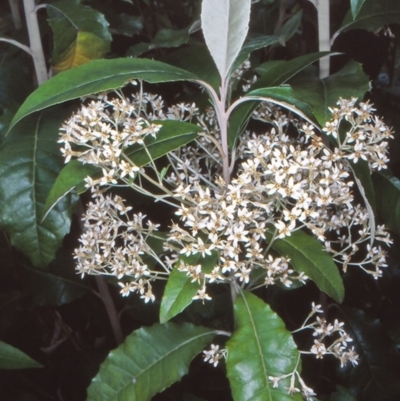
(214, 355)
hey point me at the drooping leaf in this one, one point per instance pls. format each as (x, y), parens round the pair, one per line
(225, 24)
(180, 289)
(259, 347)
(149, 360)
(30, 161)
(308, 256)
(282, 96)
(376, 375)
(94, 77)
(80, 33)
(372, 15)
(356, 7)
(320, 94)
(13, 358)
(172, 135)
(388, 203)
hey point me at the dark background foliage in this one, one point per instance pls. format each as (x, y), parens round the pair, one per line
(60, 320)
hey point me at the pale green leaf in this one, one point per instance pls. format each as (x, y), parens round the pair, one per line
(149, 360)
(307, 256)
(13, 358)
(225, 24)
(356, 7)
(259, 347)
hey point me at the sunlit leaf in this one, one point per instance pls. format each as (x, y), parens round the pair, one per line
(172, 135)
(180, 289)
(308, 256)
(13, 358)
(94, 77)
(80, 34)
(259, 347)
(30, 161)
(225, 24)
(149, 360)
(320, 94)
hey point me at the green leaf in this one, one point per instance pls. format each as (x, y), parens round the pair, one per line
(259, 347)
(180, 289)
(97, 76)
(170, 38)
(30, 161)
(376, 376)
(149, 360)
(225, 24)
(277, 72)
(308, 256)
(388, 201)
(273, 73)
(320, 94)
(372, 15)
(13, 358)
(172, 135)
(80, 34)
(291, 26)
(356, 7)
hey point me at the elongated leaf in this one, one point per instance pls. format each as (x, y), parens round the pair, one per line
(277, 72)
(13, 358)
(97, 76)
(150, 360)
(376, 376)
(172, 135)
(320, 94)
(273, 73)
(356, 7)
(80, 34)
(388, 203)
(180, 289)
(259, 347)
(30, 161)
(372, 15)
(308, 256)
(225, 24)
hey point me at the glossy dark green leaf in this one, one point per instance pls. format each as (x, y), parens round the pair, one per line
(372, 15)
(30, 161)
(388, 201)
(259, 347)
(320, 94)
(172, 135)
(376, 375)
(68, 20)
(180, 289)
(13, 358)
(97, 76)
(149, 360)
(308, 256)
(170, 38)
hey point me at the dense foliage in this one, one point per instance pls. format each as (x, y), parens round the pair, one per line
(226, 192)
